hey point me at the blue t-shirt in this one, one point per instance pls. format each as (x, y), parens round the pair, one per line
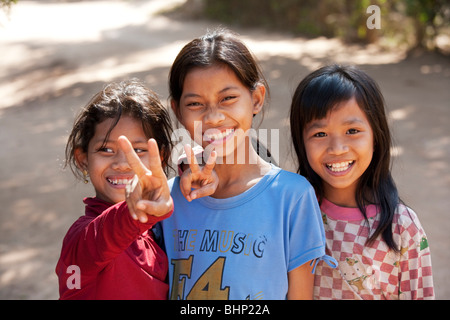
(243, 247)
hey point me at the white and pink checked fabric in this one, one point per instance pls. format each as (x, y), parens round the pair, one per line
(373, 272)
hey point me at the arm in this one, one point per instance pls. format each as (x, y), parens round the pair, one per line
(91, 243)
(306, 243)
(301, 283)
(415, 274)
(97, 240)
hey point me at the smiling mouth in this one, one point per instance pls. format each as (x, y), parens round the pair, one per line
(119, 182)
(339, 166)
(217, 135)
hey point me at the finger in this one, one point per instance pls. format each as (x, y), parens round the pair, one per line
(132, 195)
(141, 214)
(131, 186)
(204, 191)
(209, 166)
(132, 158)
(186, 184)
(132, 210)
(193, 164)
(153, 208)
(140, 211)
(138, 214)
(154, 158)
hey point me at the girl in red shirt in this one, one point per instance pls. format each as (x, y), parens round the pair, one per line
(111, 252)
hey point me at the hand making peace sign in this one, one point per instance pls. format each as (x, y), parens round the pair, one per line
(148, 193)
(203, 179)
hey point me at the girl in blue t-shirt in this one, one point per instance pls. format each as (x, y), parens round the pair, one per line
(253, 238)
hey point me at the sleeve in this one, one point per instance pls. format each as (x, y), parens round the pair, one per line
(306, 232)
(90, 244)
(415, 276)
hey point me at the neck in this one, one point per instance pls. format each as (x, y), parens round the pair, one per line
(341, 197)
(235, 178)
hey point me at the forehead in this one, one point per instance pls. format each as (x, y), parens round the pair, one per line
(127, 125)
(345, 113)
(206, 78)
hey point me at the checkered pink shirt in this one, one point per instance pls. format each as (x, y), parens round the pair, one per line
(373, 272)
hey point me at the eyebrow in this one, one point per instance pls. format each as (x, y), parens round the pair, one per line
(195, 95)
(103, 141)
(353, 121)
(319, 124)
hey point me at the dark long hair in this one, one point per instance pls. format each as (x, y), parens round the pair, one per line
(316, 95)
(219, 47)
(130, 98)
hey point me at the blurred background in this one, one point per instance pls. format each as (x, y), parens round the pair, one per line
(54, 55)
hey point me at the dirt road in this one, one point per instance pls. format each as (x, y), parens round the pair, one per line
(55, 56)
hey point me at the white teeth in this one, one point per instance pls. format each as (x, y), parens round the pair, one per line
(118, 181)
(340, 166)
(218, 136)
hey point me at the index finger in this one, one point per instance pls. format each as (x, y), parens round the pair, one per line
(132, 158)
(155, 164)
(210, 163)
(193, 164)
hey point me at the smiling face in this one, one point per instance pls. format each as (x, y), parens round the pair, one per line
(106, 165)
(216, 99)
(339, 149)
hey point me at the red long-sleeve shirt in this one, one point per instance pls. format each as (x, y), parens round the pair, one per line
(117, 257)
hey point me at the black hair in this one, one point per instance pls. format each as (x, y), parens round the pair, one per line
(131, 98)
(316, 95)
(218, 47)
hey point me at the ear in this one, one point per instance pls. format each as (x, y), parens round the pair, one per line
(81, 159)
(258, 96)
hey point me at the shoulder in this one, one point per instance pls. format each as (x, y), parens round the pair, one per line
(291, 182)
(406, 218)
(406, 223)
(289, 178)
(294, 194)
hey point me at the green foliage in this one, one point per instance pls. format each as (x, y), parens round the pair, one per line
(411, 22)
(430, 16)
(6, 4)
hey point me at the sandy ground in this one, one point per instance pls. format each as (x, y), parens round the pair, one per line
(55, 55)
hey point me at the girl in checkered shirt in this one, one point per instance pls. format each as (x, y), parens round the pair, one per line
(342, 140)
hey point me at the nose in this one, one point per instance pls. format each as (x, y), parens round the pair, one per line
(337, 146)
(120, 162)
(214, 116)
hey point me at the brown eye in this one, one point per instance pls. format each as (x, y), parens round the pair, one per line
(320, 134)
(352, 131)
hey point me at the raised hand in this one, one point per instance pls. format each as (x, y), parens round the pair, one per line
(203, 180)
(148, 193)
